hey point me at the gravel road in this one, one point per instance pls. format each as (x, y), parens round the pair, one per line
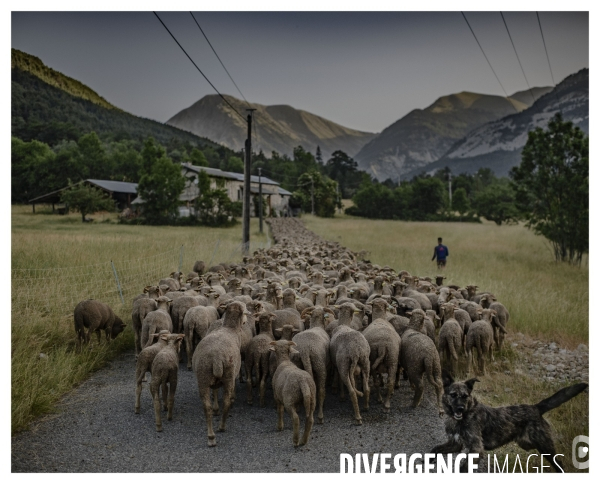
(96, 430)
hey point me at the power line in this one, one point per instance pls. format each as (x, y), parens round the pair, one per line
(488, 61)
(213, 49)
(181, 47)
(515, 49)
(541, 32)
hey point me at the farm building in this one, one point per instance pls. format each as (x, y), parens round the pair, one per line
(277, 198)
(121, 192)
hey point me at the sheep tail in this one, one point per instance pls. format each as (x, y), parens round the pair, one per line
(306, 397)
(453, 349)
(218, 369)
(429, 368)
(379, 359)
(305, 357)
(351, 384)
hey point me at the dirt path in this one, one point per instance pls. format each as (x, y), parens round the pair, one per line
(96, 430)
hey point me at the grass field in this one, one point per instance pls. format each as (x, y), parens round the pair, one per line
(58, 261)
(546, 300)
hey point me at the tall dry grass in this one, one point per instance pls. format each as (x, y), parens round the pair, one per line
(58, 261)
(546, 299)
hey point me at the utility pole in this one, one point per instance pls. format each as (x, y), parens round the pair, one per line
(246, 205)
(450, 188)
(312, 194)
(260, 213)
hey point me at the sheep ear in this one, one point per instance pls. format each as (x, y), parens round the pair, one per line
(272, 348)
(180, 337)
(277, 331)
(164, 337)
(291, 343)
(409, 313)
(294, 351)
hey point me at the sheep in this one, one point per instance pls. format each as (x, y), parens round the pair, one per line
(95, 316)
(196, 322)
(405, 304)
(313, 348)
(156, 320)
(217, 361)
(292, 386)
(450, 338)
(439, 279)
(140, 310)
(429, 324)
(418, 356)
(179, 307)
(164, 373)
(199, 267)
(173, 281)
(486, 300)
(350, 355)
(499, 323)
(257, 357)
(481, 337)
(473, 309)
(384, 344)
(288, 315)
(144, 364)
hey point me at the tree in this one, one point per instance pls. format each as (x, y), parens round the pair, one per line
(86, 199)
(552, 187)
(343, 169)
(460, 202)
(160, 184)
(497, 203)
(319, 155)
(323, 190)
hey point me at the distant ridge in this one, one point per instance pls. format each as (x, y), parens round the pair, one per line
(280, 128)
(498, 144)
(47, 104)
(34, 65)
(424, 135)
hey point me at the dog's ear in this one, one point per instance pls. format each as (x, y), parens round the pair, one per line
(447, 378)
(471, 383)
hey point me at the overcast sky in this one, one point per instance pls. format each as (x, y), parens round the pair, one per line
(363, 70)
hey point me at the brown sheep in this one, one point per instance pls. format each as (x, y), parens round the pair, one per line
(95, 316)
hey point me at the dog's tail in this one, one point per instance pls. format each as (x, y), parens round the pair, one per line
(560, 397)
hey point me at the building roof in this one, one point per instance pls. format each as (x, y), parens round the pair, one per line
(215, 172)
(115, 186)
(108, 185)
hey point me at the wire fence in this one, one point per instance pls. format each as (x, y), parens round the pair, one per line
(57, 291)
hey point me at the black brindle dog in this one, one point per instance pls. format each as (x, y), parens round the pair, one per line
(477, 427)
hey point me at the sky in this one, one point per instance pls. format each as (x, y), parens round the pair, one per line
(363, 70)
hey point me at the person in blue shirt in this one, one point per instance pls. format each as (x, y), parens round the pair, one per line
(440, 252)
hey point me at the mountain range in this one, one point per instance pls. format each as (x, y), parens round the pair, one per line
(425, 135)
(276, 128)
(498, 144)
(464, 131)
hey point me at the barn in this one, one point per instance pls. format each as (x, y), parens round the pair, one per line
(121, 192)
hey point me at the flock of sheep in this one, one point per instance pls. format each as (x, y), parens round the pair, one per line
(303, 314)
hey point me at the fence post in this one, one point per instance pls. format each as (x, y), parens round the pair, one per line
(214, 252)
(118, 283)
(180, 258)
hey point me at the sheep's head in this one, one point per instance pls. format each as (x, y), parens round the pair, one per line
(235, 314)
(117, 327)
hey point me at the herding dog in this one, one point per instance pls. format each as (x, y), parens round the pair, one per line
(478, 427)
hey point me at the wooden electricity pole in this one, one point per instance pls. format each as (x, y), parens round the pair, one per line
(246, 204)
(260, 200)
